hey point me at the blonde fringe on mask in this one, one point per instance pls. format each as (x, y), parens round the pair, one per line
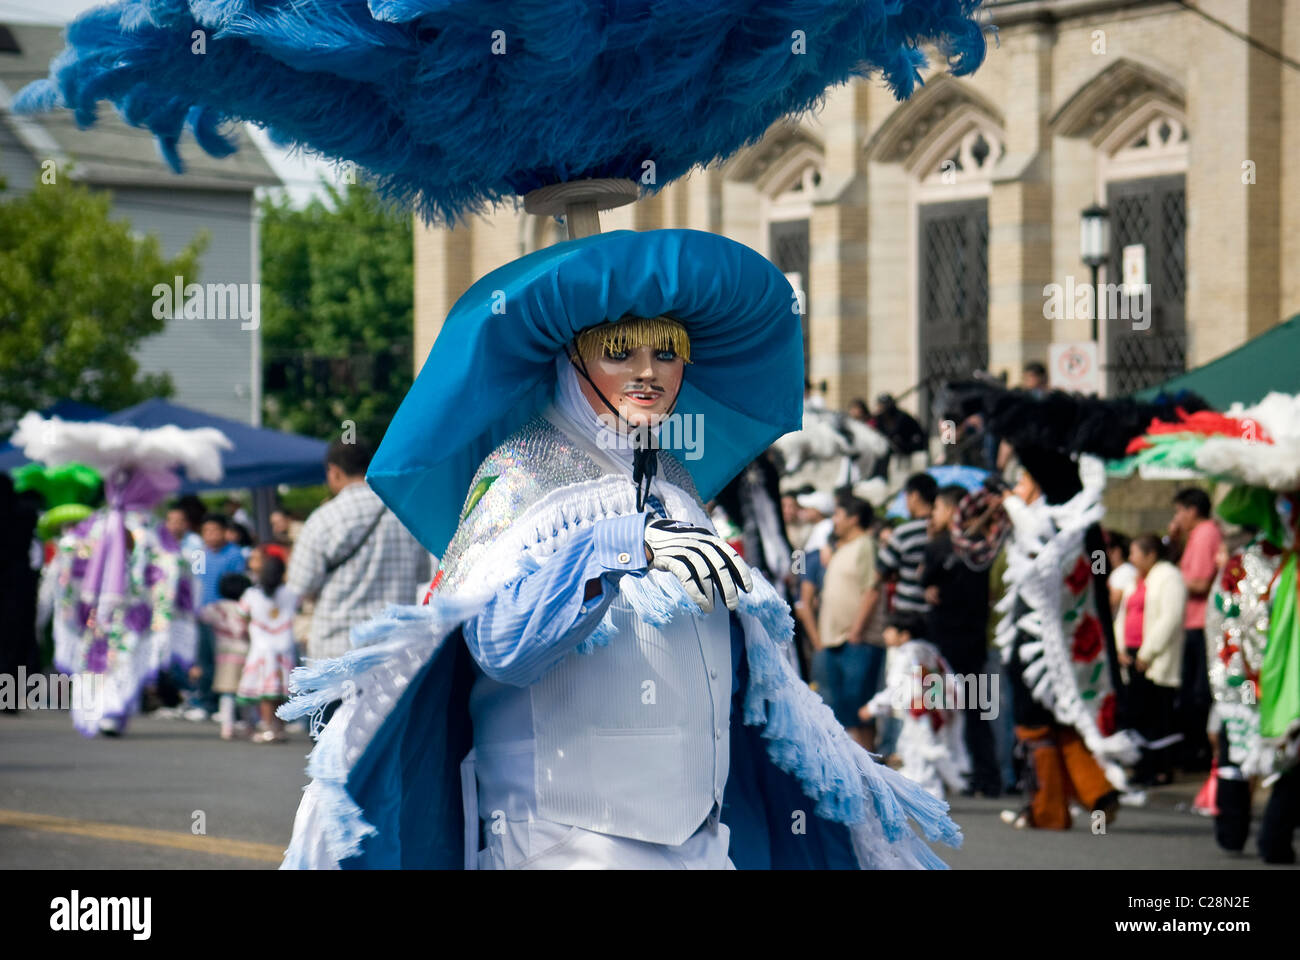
(660, 333)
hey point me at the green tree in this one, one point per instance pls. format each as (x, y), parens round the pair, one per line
(336, 313)
(76, 297)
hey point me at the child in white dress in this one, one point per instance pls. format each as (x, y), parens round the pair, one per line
(229, 625)
(920, 691)
(270, 608)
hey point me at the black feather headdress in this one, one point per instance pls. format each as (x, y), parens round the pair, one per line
(1050, 429)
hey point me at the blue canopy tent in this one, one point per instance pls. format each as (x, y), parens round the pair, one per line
(72, 410)
(944, 474)
(260, 457)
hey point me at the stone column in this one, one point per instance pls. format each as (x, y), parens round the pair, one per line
(1020, 208)
(1289, 192)
(1264, 198)
(839, 335)
(891, 287)
(1232, 228)
(447, 262)
(443, 269)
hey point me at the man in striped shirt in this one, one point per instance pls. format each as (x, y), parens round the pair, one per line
(353, 554)
(901, 557)
(899, 561)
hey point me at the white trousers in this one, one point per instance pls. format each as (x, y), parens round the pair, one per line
(536, 844)
(544, 845)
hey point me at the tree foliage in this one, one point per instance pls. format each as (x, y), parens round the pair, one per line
(76, 298)
(336, 313)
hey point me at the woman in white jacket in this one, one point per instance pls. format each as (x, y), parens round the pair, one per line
(1149, 635)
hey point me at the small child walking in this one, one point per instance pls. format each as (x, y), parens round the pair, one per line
(229, 626)
(265, 681)
(920, 691)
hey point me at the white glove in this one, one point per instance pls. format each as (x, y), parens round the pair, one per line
(700, 560)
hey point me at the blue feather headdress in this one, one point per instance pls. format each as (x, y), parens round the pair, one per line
(453, 105)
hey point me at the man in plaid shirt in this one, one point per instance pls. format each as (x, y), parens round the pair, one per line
(353, 554)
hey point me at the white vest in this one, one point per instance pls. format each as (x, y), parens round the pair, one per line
(630, 740)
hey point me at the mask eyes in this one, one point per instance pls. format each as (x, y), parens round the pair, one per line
(663, 356)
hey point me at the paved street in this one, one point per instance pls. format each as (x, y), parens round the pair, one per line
(130, 803)
(1163, 835)
(152, 781)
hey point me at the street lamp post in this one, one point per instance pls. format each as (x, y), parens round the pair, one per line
(1094, 245)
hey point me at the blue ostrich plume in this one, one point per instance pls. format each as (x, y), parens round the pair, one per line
(453, 105)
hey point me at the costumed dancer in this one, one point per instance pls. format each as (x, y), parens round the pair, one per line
(125, 596)
(920, 692)
(1252, 631)
(613, 676)
(1053, 637)
(641, 715)
(1056, 633)
(1237, 621)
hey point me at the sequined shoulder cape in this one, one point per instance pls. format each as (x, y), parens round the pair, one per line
(540, 465)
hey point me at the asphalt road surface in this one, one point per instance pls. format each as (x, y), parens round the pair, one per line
(172, 794)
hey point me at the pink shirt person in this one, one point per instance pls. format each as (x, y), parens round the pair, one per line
(1133, 616)
(1198, 563)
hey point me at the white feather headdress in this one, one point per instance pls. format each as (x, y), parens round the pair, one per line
(1247, 459)
(110, 446)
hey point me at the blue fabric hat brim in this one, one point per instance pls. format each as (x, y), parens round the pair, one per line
(493, 365)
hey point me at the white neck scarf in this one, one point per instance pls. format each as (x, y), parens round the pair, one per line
(572, 404)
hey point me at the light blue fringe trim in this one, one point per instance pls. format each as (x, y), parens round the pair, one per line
(605, 631)
(401, 639)
(343, 827)
(805, 740)
(651, 597)
(320, 682)
(656, 597)
(766, 607)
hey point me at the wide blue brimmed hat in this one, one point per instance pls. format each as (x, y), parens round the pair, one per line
(493, 365)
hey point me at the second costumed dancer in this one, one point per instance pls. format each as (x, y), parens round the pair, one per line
(1252, 621)
(1056, 634)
